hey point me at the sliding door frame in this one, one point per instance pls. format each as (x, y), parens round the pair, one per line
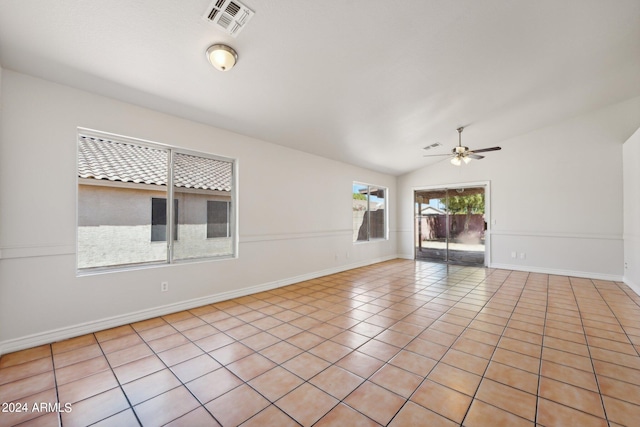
(453, 186)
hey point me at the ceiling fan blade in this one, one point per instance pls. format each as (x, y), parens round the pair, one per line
(483, 150)
(436, 155)
(475, 156)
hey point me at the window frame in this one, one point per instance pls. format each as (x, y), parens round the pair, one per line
(170, 187)
(386, 211)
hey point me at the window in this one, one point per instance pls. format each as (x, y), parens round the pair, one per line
(369, 212)
(159, 220)
(123, 188)
(218, 219)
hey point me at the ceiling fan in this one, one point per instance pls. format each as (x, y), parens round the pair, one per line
(463, 154)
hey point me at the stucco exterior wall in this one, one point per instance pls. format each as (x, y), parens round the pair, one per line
(114, 226)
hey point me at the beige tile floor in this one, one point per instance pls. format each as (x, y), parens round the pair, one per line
(399, 343)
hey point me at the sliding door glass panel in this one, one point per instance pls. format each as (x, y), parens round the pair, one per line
(431, 225)
(466, 225)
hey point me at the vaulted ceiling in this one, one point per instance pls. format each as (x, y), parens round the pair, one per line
(367, 82)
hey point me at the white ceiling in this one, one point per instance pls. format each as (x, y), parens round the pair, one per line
(367, 82)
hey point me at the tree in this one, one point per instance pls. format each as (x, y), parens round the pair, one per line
(473, 203)
(468, 204)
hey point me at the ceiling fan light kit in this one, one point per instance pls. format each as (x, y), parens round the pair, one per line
(462, 153)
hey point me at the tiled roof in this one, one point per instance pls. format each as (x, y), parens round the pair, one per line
(201, 172)
(120, 161)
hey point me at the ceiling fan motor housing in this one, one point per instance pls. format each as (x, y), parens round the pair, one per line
(460, 149)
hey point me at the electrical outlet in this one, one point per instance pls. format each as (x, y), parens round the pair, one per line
(514, 254)
(164, 286)
(523, 255)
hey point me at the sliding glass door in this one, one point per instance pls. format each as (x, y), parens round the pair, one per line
(450, 225)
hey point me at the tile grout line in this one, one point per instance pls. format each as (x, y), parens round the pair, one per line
(427, 327)
(473, 398)
(617, 320)
(222, 365)
(604, 410)
(120, 386)
(307, 381)
(276, 364)
(448, 348)
(384, 362)
(182, 383)
(406, 399)
(55, 384)
(544, 329)
(136, 332)
(635, 298)
(371, 338)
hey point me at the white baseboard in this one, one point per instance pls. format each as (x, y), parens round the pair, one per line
(570, 273)
(634, 286)
(47, 337)
(557, 272)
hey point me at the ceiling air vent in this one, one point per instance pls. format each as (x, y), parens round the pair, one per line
(434, 145)
(228, 15)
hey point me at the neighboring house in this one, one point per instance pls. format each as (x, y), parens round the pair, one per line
(430, 210)
(122, 204)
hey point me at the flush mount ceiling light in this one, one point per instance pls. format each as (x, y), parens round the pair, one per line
(222, 57)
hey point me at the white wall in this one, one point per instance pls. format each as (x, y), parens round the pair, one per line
(631, 169)
(556, 194)
(295, 217)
